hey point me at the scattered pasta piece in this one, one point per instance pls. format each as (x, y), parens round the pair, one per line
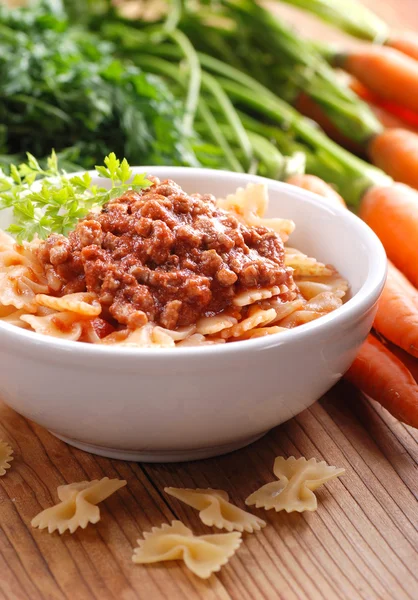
(78, 505)
(311, 287)
(149, 336)
(203, 555)
(215, 324)
(82, 303)
(18, 289)
(251, 296)
(259, 317)
(304, 265)
(262, 332)
(284, 309)
(297, 478)
(5, 457)
(320, 305)
(215, 510)
(9, 314)
(197, 339)
(64, 325)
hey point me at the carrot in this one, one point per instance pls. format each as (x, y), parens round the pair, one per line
(397, 314)
(317, 186)
(385, 71)
(393, 116)
(403, 117)
(395, 151)
(392, 212)
(410, 362)
(389, 114)
(407, 42)
(382, 376)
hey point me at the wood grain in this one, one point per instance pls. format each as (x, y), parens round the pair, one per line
(362, 543)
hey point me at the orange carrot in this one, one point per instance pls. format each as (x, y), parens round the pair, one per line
(406, 42)
(385, 71)
(395, 151)
(382, 376)
(410, 362)
(392, 115)
(389, 114)
(317, 186)
(392, 212)
(376, 371)
(397, 314)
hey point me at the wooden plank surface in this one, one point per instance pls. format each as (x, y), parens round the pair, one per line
(361, 543)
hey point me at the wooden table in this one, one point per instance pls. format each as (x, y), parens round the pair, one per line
(361, 543)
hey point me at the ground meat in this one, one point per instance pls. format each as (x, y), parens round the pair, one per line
(164, 256)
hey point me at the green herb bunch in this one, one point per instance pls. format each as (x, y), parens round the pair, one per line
(48, 200)
(62, 87)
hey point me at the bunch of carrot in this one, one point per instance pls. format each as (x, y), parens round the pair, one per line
(386, 368)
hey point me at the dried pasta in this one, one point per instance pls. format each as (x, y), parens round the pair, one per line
(294, 490)
(28, 300)
(203, 555)
(6, 453)
(215, 510)
(78, 505)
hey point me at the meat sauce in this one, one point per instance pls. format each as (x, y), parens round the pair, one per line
(165, 256)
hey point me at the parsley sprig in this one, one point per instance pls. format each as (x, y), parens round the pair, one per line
(48, 200)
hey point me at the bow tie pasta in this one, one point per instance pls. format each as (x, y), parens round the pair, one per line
(78, 505)
(215, 510)
(203, 555)
(5, 457)
(297, 478)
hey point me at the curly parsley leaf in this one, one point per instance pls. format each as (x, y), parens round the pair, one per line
(48, 200)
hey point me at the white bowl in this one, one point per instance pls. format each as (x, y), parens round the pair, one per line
(188, 403)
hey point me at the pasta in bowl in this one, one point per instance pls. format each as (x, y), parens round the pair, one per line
(161, 268)
(203, 324)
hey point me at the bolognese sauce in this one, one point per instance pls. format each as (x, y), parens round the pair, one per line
(164, 256)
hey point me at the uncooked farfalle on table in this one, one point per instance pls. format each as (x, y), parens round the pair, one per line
(6, 457)
(215, 510)
(78, 505)
(203, 554)
(297, 478)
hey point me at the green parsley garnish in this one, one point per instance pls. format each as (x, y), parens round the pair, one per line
(48, 200)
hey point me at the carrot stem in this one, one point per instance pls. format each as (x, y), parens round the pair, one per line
(356, 19)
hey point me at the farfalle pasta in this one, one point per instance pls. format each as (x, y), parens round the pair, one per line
(6, 457)
(215, 510)
(195, 271)
(78, 505)
(203, 555)
(294, 490)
